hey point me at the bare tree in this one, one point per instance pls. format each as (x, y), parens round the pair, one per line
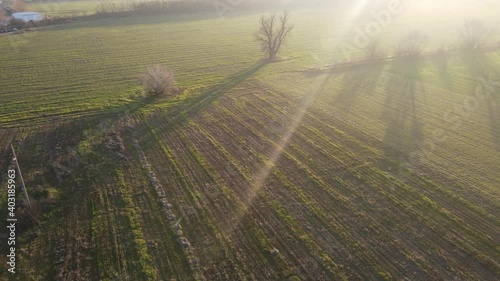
(413, 45)
(272, 33)
(159, 80)
(374, 51)
(475, 34)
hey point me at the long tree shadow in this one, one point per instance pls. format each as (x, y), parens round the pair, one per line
(64, 138)
(360, 80)
(404, 128)
(181, 113)
(196, 104)
(440, 62)
(486, 76)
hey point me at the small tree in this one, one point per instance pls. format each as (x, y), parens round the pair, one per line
(272, 33)
(413, 45)
(474, 34)
(374, 51)
(158, 80)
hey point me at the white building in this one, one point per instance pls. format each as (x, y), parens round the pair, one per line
(27, 16)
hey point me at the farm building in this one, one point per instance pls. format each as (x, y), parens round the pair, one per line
(27, 16)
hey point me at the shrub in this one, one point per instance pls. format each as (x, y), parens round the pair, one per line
(159, 80)
(19, 24)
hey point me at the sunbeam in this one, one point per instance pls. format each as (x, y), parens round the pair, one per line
(320, 81)
(263, 174)
(339, 26)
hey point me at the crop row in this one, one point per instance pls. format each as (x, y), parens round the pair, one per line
(377, 178)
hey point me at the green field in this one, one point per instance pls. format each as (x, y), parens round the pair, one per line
(67, 8)
(289, 170)
(57, 9)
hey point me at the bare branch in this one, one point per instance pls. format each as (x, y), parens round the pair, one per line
(413, 45)
(374, 51)
(475, 34)
(158, 80)
(272, 34)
